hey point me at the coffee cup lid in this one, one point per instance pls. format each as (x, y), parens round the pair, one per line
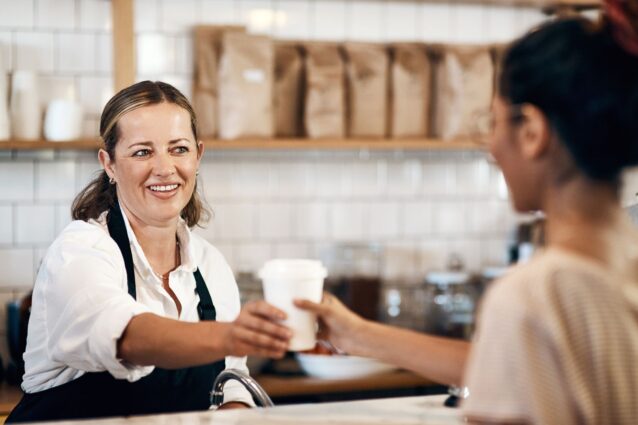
(293, 268)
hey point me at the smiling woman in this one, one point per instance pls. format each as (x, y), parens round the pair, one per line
(130, 306)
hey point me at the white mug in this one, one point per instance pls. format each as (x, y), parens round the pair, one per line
(26, 117)
(63, 120)
(5, 122)
(285, 280)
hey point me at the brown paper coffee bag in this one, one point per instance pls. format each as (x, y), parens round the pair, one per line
(246, 86)
(325, 100)
(205, 91)
(288, 91)
(411, 79)
(464, 87)
(367, 89)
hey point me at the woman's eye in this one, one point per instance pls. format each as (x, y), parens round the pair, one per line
(181, 149)
(142, 152)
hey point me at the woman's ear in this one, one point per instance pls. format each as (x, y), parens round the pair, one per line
(200, 150)
(105, 160)
(534, 132)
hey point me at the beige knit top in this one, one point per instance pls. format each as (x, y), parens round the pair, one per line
(557, 341)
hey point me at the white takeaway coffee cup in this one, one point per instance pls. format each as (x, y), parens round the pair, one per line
(285, 280)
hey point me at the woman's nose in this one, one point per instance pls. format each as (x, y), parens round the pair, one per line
(163, 165)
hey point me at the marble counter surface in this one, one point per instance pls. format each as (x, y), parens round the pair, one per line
(421, 410)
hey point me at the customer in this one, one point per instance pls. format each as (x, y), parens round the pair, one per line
(557, 338)
(132, 313)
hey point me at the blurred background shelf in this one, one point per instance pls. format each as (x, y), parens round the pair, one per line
(44, 144)
(273, 144)
(543, 4)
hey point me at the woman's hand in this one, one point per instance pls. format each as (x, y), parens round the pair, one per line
(256, 332)
(337, 324)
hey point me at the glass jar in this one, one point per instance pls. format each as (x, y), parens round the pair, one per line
(450, 304)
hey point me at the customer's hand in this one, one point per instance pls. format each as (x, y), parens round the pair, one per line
(337, 324)
(257, 332)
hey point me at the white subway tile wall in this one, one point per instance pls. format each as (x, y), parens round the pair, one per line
(55, 181)
(56, 87)
(94, 15)
(6, 51)
(34, 50)
(104, 54)
(34, 224)
(292, 19)
(55, 14)
(6, 225)
(402, 20)
(219, 12)
(420, 206)
(329, 20)
(21, 16)
(17, 268)
(365, 20)
(17, 181)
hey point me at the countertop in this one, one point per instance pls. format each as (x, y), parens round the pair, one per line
(290, 386)
(420, 410)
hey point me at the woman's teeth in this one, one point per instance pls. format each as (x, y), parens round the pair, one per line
(163, 188)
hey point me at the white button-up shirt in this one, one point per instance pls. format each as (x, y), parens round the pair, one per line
(81, 304)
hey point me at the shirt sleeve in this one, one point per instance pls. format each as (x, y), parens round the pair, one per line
(513, 372)
(87, 309)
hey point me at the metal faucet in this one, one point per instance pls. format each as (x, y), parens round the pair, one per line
(217, 394)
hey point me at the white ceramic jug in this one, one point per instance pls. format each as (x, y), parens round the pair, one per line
(26, 117)
(63, 120)
(5, 128)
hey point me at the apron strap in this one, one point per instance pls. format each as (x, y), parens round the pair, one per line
(117, 230)
(205, 308)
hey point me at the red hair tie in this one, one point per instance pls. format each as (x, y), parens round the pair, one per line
(623, 17)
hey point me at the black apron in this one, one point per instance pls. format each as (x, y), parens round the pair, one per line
(99, 394)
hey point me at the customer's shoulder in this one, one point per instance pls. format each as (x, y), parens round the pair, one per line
(549, 274)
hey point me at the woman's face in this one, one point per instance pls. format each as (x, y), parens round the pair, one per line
(155, 165)
(521, 171)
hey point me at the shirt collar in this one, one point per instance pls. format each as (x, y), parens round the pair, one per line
(142, 264)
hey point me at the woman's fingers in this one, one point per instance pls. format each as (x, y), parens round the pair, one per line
(260, 343)
(257, 324)
(262, 308)
(257, 331)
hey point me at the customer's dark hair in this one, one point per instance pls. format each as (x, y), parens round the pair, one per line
(99, 195)
(586, 85)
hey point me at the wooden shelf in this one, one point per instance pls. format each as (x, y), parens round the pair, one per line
(548, 5)
(274, 144)
(44, 144)
(343, 144)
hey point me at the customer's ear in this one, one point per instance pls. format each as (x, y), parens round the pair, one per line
(534, 132)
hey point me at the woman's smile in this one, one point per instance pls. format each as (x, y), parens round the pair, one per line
(164, 191)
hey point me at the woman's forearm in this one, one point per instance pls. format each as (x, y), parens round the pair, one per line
(150, 339)
(440, 359)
